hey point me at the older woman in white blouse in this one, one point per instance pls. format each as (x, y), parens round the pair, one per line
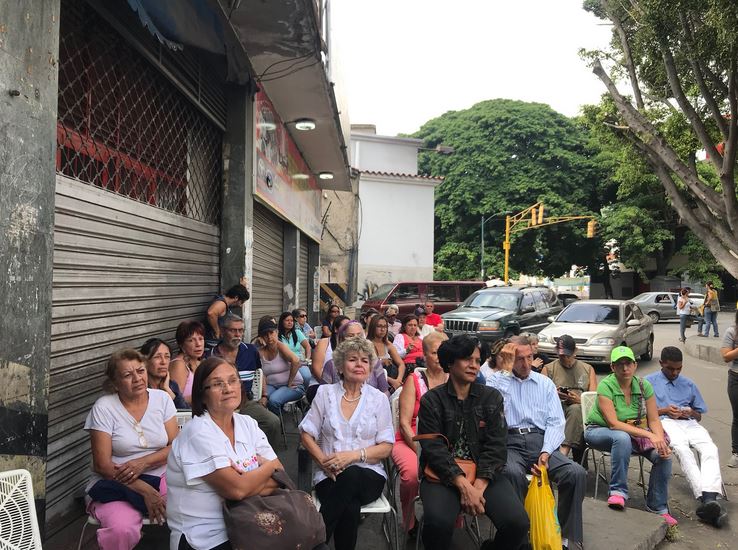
(218, 455)
(353, 423)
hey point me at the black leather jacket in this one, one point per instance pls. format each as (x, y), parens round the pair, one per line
(484, 424)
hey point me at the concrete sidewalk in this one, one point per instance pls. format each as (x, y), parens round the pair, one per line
(708, 348)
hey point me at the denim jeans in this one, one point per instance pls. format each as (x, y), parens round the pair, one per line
(617, 442)
(306, 376)
(683, 326)
(278, 396)
(711, 319)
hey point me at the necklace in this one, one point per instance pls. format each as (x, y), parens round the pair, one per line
(354, 400)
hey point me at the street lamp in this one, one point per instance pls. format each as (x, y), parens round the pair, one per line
(485, 220)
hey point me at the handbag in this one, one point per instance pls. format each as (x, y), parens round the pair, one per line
(642, 444)
(285, 519)
(469, 467)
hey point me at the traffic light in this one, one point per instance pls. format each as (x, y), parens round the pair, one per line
(540, 214)
(533, 216)
(591, 229)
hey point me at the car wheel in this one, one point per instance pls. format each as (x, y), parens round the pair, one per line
(649, 351)
(654, 316)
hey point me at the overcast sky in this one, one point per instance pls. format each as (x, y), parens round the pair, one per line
(404, 62)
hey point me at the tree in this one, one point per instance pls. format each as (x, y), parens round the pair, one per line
(680, 59)
(508, 155)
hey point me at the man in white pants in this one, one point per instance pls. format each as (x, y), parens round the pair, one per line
(681, 408)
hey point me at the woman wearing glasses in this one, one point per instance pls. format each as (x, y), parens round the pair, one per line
(218, 455)
(131, 431)
(327, 329)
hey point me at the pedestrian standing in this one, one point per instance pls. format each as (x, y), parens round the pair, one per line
(730, 355)
(684, 306)
(712, 307)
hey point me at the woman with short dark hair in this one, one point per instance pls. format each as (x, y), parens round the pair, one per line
(131, 431)
(464, 420)
(190, 338)
(333, 312)
(158, 356)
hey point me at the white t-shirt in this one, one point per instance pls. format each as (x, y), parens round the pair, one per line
(687, 305)
(132, 439)
(370, 424)
(194, 507)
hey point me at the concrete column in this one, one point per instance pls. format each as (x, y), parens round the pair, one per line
(313, 289)
(29, 49)
(291, 260)
(237, 233)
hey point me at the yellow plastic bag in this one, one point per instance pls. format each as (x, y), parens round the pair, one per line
(545, 531)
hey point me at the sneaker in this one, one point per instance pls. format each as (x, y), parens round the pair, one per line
(709, 511)
(670, 521)
(716, 336)
(721, 519)
(733, 461)
(616, 502)
(702, 335)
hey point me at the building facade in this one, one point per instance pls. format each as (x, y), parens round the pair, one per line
(146, 164)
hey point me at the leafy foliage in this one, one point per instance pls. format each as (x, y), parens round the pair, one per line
(508, 155)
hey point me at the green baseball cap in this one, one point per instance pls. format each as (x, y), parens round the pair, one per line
(620, 352)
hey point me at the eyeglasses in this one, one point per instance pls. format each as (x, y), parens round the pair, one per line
(223, 384)
(141, 436)
(302, 315)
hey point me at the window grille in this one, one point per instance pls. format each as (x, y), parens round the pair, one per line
(124, 127)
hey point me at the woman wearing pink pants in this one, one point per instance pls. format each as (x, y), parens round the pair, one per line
(404, 451)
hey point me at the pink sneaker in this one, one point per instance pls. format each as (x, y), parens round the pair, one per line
(670, 521)
(616, 502)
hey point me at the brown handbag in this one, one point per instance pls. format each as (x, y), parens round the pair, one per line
(469, 467)
(285, 519)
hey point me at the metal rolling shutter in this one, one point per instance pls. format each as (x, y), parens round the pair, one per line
(123, 272)
(268, 266)
(302, 274)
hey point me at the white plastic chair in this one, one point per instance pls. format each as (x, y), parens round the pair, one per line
(183, 417)
(390, 527)
(18, 522)
(257, 386)
(588, 399)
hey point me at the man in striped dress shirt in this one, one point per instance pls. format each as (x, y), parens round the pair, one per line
(536, 423)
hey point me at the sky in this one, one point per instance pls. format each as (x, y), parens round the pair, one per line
(404, 62)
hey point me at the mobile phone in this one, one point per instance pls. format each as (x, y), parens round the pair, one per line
(563, 389)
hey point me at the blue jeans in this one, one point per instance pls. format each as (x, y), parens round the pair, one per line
(683, 326)
(711, 319)
(278, 396)
(617, 442)
(306, 376)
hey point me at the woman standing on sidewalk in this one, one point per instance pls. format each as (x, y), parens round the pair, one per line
(683, 309)
(730, 355)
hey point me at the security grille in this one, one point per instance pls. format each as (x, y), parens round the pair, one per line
(124, 127)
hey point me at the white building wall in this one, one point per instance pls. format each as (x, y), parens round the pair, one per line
(385, 156)
(396, 226)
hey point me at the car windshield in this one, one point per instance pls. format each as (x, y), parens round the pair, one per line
(642, 297)
(381, 293)
(590, 313)
(500, 300)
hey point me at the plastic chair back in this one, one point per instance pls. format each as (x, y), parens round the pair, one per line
(258, 384)
(183, 417)
(589, 399)
(18, 522)
(395, 405)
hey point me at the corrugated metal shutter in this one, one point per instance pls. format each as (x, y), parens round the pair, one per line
(268, 265)
(123, 272)
(302, 273)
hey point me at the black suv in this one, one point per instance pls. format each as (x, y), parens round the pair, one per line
(492, 313)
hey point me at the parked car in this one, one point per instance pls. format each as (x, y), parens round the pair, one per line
(697, 299)
(567, 299)
(658, 305)
(445, 295)
(598, 326)
(495, 312)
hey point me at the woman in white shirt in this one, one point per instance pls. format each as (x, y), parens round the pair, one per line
(684, 306)
(218, 455)
(131, 431)
(353, 423)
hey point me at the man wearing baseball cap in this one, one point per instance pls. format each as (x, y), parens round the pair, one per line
(571, 377)
(626, 408)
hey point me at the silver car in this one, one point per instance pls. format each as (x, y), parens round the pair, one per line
(598, 326)
(658, 305)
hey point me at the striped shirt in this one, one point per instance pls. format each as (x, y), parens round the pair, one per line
(532, 403)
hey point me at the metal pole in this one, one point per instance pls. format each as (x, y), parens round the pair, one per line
(482, 251)
(506, 246)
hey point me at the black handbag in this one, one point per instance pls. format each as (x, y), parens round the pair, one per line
(285, 519)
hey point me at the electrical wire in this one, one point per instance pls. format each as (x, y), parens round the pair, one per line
(291, 72)
(291, 60)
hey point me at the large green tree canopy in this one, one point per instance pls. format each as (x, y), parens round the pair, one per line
(508, 155)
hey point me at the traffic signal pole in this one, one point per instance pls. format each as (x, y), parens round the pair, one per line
(532, 218)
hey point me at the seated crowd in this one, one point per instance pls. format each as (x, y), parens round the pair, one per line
(505, 412)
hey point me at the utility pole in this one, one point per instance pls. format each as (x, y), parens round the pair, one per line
(532, 218)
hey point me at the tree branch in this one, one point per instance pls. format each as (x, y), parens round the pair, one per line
(647, 133)
(630, 65)
(727, 173)
(689, 111)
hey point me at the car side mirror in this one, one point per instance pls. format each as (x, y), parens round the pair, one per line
(528, 309)
(633, 323)
(550, 318)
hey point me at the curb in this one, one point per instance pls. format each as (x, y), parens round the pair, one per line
(705, 352)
